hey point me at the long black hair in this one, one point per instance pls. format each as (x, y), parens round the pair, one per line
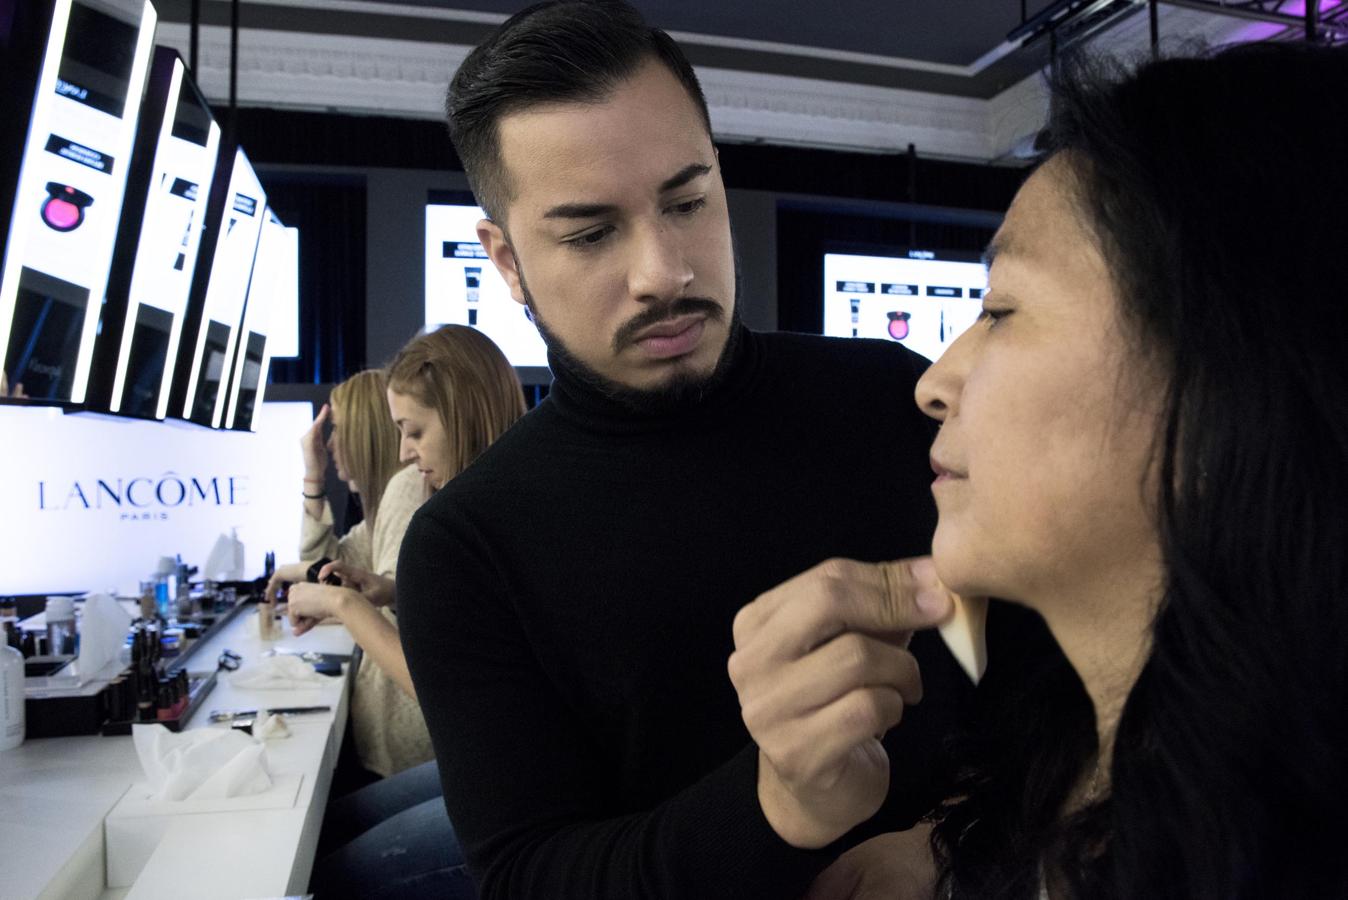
(1217, 189)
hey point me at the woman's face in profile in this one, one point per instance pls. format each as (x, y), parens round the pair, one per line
(423, 442)
(1048, 410)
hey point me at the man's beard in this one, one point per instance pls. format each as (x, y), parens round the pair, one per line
(682, 390)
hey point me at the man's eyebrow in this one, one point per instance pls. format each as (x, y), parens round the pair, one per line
(580, 211)
(685, 175)
(600, 210)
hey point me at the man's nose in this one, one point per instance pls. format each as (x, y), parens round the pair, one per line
(659, 270)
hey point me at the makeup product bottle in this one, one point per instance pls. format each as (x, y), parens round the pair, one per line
(165, 590)
(148, 609)
(11, 696)
(145, 676)
(267, 629)
(60, 626)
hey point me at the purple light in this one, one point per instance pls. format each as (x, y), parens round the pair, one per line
(1258, 31)
(1263, 31)
(1298, 7)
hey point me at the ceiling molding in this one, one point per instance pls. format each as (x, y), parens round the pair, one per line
(407, 78)
(748, 106)
(411, 11)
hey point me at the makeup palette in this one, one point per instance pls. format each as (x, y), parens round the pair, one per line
(63, 210)
(898, 324)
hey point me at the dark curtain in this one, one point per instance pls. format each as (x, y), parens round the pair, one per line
(330, 214)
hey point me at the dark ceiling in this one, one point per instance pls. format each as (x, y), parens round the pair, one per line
(952, 32)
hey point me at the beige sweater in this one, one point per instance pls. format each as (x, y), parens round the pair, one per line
(387, 724)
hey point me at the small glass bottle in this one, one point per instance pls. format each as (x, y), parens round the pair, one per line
(11, 695)
(60, 626)
(148, 609)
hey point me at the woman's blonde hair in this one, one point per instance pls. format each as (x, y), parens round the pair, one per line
(367, 436)
(458, 372)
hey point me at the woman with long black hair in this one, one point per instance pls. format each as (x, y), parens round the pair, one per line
(1145, 441)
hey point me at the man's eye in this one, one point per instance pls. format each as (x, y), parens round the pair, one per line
(590, 238)
(689, 207)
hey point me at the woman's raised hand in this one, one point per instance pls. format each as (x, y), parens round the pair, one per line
(315, 448)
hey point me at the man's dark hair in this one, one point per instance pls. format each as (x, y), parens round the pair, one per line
(563, 51)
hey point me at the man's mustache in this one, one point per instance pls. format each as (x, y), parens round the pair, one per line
(683, 306)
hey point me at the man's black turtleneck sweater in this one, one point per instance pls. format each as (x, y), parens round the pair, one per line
(566, 607)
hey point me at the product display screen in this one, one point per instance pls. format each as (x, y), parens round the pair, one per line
(97, 60)
(284, 247)
(236, 240)
(920, 300)
(265, 298)
(69, 196)
(92, 501)
(463, 287)
(166, 253)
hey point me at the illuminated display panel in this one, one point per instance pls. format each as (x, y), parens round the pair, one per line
(284, 339)
(919, 300)
(463, 287)
(233, 239)
(69, 195)
(92, 501)
(253, 355)
(164, 224)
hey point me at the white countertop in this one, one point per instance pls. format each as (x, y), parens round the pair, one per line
(55, 794)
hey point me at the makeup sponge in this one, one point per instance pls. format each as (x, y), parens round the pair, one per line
(965, 633)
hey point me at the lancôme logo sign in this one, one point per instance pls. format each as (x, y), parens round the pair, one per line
(142, 498)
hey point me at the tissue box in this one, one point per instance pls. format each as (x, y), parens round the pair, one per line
(138, 823)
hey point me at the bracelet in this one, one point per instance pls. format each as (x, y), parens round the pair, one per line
(319, 496)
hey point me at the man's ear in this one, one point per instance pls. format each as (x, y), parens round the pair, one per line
(498, 249)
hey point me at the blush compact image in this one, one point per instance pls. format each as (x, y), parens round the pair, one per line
(63, 210)
(898, 324)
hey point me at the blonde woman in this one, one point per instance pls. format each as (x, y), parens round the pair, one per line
(450, 394)
(387, 727)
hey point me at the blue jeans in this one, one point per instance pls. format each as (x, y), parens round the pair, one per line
(392, 839)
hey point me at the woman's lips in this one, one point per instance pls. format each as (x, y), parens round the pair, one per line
(944, 473)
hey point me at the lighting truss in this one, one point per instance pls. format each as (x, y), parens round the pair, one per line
(1319, 21)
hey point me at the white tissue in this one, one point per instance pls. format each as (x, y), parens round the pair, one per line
(276, 673)
(272, 728)
(225, 561)
(103, 629)
(203, 764)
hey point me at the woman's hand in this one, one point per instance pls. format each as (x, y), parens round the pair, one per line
(894, 866)
(377, 589)
(315, 448)
(309, 604)
(291, 573)
(822, 670)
